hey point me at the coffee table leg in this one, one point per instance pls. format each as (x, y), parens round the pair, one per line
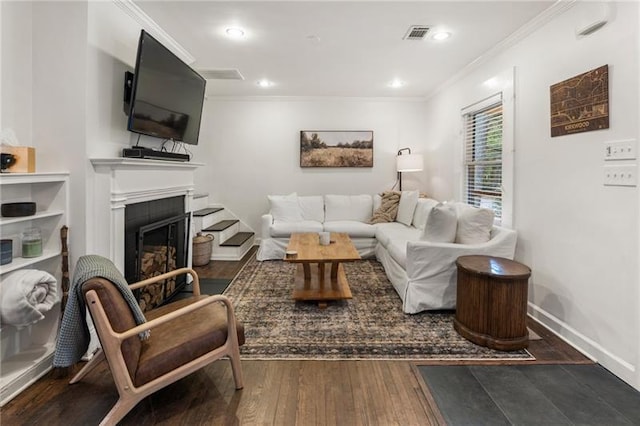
(307, 271)
(334, 270)
(321, 273)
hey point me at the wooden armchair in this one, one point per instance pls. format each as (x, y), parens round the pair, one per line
(186, 335)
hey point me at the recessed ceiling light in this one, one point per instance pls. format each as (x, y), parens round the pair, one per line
(442, 35)
(234, 32)
(264, 83)
(396, 83)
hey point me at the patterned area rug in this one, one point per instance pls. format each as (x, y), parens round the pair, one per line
(369, 326)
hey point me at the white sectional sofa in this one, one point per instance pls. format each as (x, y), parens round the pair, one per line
(422, 272)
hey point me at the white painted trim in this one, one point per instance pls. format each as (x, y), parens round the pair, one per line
(485, 103)
(591, 349)
(559, 7)
(314, 98)
(145, 21)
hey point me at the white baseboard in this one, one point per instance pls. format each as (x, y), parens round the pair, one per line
(585, 345)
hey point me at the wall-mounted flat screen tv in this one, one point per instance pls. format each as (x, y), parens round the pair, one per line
(166, 94)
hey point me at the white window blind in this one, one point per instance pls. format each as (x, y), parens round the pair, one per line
(483, 157)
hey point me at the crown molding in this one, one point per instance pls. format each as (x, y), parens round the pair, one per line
(145, 21)
(559, 7)
(275, 98)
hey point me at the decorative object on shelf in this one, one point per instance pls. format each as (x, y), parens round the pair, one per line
(6, 161)
(31, 242)
(408, 163)
(26, 295)
(64, 232)
(23, 157)
(202, 249)
(336, 148)
(7, 251)
(581, 103)
(18, 209)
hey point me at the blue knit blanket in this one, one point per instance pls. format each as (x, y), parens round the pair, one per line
(73, 339)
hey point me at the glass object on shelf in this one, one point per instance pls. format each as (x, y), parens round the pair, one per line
(7, 252)
(31, 242)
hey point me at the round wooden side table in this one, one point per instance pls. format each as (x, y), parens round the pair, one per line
(491, 307)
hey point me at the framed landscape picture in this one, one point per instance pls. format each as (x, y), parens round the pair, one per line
(336, 148)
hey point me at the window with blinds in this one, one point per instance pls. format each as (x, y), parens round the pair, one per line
(483, 158)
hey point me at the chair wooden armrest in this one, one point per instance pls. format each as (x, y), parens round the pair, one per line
(171, 274)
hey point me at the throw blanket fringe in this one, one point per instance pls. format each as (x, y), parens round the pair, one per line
(25, 296)
(73, 339)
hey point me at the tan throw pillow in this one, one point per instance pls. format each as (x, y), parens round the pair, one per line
(441, 224)
(388, 208)
(474, 224)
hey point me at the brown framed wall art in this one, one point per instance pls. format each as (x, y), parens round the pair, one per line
(336, 148)
(581, 103)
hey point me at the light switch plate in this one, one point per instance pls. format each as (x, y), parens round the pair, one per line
(626, 175)
(620, 150)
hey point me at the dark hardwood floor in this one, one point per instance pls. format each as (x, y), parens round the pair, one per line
(275, 392)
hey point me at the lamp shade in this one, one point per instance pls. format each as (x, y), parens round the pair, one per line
(409, 163)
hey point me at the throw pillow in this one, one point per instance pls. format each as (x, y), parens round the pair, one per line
(474, 224)
(311, 207)
(406, 207)
(441, 224)
(285, 208)
(423, 208)
(388, 208)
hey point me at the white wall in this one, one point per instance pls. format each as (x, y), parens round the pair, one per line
(579, 237)
(16, 75)
(252, 148)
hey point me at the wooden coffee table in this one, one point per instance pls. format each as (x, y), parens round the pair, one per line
(326, 281)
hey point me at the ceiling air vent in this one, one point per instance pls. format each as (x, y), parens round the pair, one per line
(229, 74)
(416, 32)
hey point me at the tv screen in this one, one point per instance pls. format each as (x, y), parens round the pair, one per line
(166, 94)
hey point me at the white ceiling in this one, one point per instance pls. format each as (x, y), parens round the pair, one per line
(360, 47)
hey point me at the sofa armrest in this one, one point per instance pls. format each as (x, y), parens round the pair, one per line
(266, 221)
(426, 259)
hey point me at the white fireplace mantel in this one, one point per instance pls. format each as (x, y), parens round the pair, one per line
(121, 181)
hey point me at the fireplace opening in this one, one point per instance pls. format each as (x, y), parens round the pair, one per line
(156, 241)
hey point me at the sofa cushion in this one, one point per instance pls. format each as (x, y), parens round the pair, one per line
(285, 207)
(474, 224)
(423, 208)
(351, 227)
(407, 206)
(386, 232)
(441, 224)
(311, 207)
(348, 207)
(285, 229)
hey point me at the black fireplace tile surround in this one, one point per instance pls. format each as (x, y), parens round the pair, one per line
(146, 213)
